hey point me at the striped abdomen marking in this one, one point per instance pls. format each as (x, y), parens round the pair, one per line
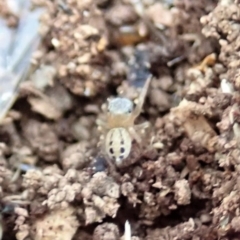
(118, 144)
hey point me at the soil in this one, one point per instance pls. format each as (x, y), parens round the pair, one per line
(56, 180)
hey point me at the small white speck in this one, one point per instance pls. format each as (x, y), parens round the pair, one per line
(226, 86)
(87, 92)
(86, 13)
(55, 42)
(6, 96)
(127, 233)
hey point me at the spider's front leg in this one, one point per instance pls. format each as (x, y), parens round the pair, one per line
(142, 96)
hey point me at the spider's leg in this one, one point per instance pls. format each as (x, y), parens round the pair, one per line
(100, 123)
(141, 98)
(134, 135)
(142, 126)
(102, 126)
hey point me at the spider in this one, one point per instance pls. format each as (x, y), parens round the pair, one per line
(119, 128)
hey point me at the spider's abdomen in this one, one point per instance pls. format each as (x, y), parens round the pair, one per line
(118, 144)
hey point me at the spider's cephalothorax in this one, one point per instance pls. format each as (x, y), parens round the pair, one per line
(120, 105)
(119, 127)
